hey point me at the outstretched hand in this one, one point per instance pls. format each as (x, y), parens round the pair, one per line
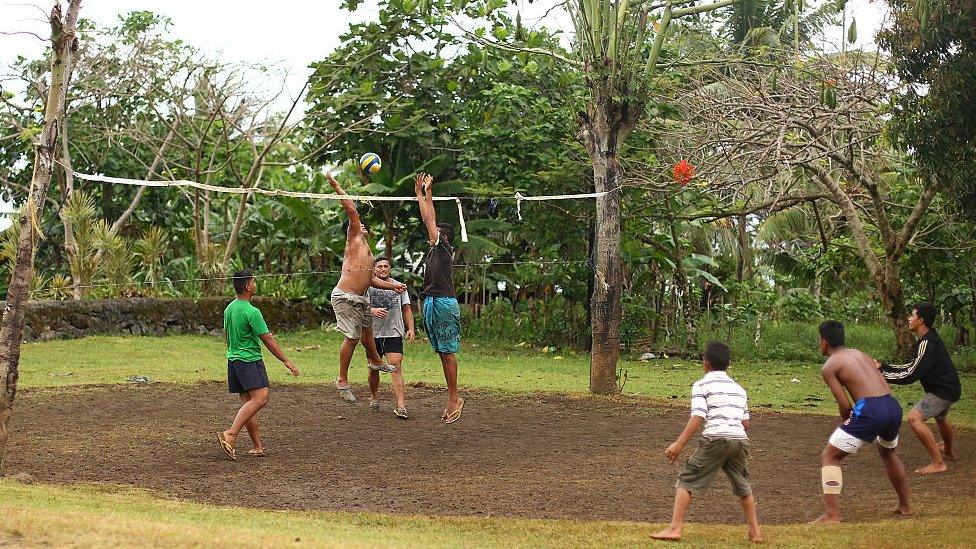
(334, 183)
(423, 183)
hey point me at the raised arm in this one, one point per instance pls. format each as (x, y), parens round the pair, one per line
(423, 186)
(347, 205)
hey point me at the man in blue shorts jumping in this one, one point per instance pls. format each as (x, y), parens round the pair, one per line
(442, 317)
(874, 417)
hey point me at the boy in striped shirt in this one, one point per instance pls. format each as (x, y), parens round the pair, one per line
(720, 404)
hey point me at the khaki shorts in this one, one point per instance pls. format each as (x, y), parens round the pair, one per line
(932, 406)
(352, 313)
(729, 455)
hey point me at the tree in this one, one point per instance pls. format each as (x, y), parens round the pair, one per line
(933, 51)
(618, 59)
(64, 44)
(816, 124)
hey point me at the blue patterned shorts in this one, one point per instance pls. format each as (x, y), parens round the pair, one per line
(442, 322)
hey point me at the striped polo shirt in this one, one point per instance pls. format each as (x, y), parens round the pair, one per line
(722, 403)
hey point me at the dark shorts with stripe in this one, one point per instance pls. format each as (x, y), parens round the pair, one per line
(389, 345)
(242, 376)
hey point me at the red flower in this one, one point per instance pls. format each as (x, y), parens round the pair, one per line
(683, 172)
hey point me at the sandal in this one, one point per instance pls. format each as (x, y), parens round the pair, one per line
(456, 414)
(345, 393)
(382, 367)
(228, 449)
(254, 453)
(401, 412)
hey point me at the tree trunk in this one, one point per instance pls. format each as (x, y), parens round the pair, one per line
(893, 300)
(689, 308)
(64, 44)
(70, 243)
(605, 304)
(743, 264)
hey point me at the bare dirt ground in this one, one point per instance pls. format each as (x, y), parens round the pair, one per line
(543, 456)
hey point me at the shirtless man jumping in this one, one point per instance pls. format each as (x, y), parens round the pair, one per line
(874, 417)
(349, 299)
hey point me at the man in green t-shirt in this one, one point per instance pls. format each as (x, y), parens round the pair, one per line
(245, 329)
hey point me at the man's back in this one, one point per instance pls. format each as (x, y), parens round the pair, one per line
(858, 373)
(244, 325)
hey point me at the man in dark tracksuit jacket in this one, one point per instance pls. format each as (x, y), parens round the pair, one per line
(932, 366)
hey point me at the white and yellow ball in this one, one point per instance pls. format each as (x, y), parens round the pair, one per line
(370, 163)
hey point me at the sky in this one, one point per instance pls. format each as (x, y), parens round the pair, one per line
(288, 34)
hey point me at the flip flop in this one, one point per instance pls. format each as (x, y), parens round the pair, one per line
(345, 393)
(456, 414)
(383, 367)
(228, 449)
(254, 453)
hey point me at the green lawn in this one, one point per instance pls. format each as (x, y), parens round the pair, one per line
(773, 385)
(103, 516)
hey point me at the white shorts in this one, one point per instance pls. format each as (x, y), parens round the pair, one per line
(846, 442)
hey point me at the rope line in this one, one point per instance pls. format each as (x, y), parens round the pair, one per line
(319, 196)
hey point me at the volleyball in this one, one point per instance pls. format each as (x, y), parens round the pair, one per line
(370, 163)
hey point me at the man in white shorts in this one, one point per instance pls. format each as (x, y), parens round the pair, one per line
(874, 417)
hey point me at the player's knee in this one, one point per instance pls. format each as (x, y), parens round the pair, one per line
(915, 418)
(827, 458)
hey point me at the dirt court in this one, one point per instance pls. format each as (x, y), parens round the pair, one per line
(541, 456)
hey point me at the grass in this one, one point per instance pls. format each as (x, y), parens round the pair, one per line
(100, 515)
(772, 384)
(106, 515)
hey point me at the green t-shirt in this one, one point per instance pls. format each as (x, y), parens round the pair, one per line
(243, 324)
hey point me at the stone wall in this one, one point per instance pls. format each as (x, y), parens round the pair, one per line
(48, 319)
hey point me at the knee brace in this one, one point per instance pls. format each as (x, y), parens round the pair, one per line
(832, 478)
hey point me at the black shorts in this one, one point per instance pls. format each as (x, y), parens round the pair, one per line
(389, 345)
(243, 376)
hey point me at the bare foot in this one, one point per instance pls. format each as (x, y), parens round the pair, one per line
(757, 538)
(668, 534)
(825, 519)
(902, 511)
(932, 468)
